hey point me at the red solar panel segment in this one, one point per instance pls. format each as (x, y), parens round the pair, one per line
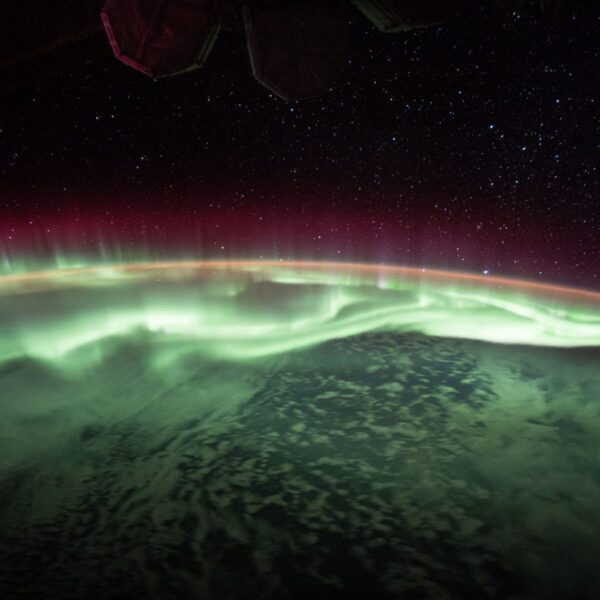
(297, 51)
(162, 37)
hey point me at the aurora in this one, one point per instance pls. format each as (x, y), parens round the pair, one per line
(245, 309)
(373, 410)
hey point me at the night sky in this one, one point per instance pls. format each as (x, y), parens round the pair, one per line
(471, 147)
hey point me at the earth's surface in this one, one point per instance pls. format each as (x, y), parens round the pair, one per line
(381, 463)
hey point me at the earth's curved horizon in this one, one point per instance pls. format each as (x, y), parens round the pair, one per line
(8, 276)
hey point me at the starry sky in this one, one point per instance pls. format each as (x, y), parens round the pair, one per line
(471, 147)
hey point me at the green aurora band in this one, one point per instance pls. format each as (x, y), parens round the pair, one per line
(239, 310)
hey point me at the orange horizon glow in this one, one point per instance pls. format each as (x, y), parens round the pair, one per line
(574, 293)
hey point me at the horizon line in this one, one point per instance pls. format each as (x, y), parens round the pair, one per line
(307, 264)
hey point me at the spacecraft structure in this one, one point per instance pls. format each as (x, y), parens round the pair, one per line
(297, 49)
